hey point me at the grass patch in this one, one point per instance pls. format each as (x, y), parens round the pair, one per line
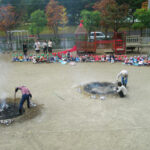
(2, 33)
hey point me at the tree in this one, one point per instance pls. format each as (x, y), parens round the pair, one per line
(91, 20)
(38, 22)
(18, 5)
(143, 17)
(8, 18)
(112, 15)
(33, 5)
(133, 4)
(56, 15)
(74, 8)
(25, 7)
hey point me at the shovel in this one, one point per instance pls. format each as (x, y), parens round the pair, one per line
(15, 99)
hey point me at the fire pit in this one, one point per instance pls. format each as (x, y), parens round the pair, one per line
(9, 111)
(100, 88)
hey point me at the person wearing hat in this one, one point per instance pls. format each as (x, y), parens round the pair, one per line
(17, 57)
(37, 59)
(26, 95)
(124, 77)
(34, 59)
(20, 58)
(30, 57)
(14, 58)
(41, 58)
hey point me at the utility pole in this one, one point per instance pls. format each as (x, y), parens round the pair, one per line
(148, 4)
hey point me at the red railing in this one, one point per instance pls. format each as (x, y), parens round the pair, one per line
(118, 44)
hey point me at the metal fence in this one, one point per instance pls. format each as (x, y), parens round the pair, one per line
(138, 39)
(61, 43)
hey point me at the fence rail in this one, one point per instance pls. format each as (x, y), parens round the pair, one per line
(62, 43)
(133, 39)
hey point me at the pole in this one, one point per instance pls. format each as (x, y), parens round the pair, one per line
(15, 99)
(148, 4)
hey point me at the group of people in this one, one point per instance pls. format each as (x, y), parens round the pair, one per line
(45, 46)
(120, 89)
(26, 94)
(138, 61)
(47, 50)
(68, 56)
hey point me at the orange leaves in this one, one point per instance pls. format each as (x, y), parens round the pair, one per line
(7, 17)
(56, 15)
(112, 14)
(102, 5)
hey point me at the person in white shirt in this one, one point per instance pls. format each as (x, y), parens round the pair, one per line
(37, 47)
(44, 45)
(124, 77)
(34, 59)
(50, 44)
(121, 90)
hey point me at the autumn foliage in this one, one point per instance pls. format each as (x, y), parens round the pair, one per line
(56, 15)
(8, 18)
(112, 14)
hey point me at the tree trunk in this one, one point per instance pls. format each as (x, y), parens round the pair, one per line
(38, 35)
(55, 30)
(106, 32)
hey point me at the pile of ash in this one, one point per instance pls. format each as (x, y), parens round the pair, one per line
(100, 88)
(9, 111)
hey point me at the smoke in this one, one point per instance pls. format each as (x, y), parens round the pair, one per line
(4, 72)
(3, 96)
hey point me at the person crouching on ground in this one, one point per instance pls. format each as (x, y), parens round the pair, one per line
(68, 55)
(121, 90)
(124, 77)
(26, 95)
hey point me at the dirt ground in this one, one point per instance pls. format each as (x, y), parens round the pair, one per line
(71, 120)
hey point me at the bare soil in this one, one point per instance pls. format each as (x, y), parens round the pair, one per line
(70, 120)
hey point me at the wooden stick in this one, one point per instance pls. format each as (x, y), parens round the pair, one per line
(14, 98)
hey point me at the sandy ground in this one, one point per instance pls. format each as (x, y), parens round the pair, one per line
(73, 121)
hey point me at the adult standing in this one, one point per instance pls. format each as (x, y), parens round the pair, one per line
(50, 44)
(44, 47)
(25, 49)
(37, 47)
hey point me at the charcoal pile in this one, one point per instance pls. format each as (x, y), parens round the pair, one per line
(100, 88)
(9, 111)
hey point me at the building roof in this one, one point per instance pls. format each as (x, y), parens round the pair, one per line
(80, 29)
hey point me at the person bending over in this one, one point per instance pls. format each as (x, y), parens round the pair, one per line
(26, 95)
(124, 77)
